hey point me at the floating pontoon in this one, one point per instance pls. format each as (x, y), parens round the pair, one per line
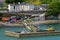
(15, 34)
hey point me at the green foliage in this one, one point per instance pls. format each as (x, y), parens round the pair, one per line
(14, 1)
(21, 1)
(9, 1)
(3, 9)
(54, 8)
(36, 3)
(46, 1)
(1, 14)
(28, 1)
(55, 0)
(5, 5)
(28, 20)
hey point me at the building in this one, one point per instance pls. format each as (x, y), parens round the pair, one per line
(2, 3)
(20, 7)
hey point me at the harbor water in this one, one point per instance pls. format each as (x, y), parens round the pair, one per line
(18, 29)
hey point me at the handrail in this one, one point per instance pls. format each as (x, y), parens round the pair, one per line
(34, 29)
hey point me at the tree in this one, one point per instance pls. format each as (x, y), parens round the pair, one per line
(54, 8)
(9, 1)
(28, 1)
(48, 1)
(21, 1)
(37, 3)
(1, 14)
(14, 1)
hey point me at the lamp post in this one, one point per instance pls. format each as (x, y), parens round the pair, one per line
(14, 6)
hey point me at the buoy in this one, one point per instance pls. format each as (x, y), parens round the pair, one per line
(50, 29)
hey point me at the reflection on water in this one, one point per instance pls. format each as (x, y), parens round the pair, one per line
(4, 37)
(54, 26)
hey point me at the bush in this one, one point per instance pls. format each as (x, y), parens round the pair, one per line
(54, 9)
(3, 9)
(1, 14)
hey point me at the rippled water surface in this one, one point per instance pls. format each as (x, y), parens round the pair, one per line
(4, 37)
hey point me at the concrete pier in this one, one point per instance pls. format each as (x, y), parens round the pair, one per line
(11, 24)
(34, 23)
(14, 34)
(45, 22)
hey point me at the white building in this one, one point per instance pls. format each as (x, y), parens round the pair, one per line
(20, 7)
